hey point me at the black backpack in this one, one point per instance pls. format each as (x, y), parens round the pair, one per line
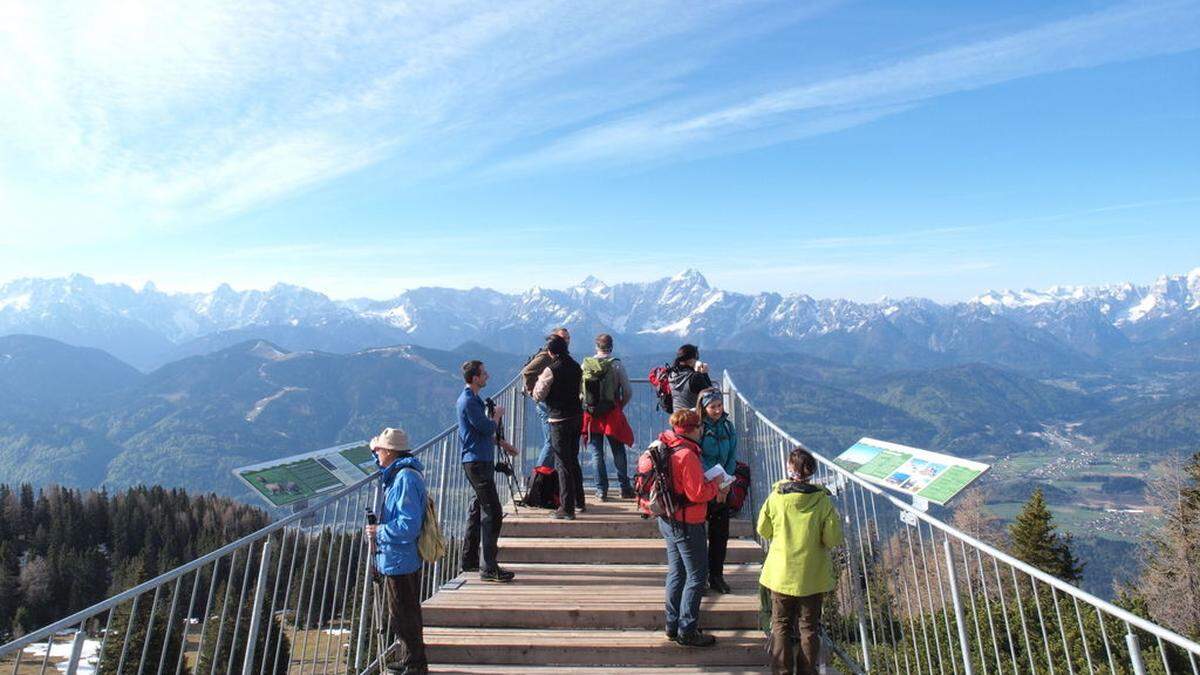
(543, 489)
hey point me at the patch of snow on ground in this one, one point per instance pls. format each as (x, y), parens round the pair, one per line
(89, 656)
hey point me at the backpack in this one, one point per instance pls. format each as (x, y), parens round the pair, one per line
(542, 492)
(599, 385)
(531, 377)
(660, 380)
(653, 485)
(740, 488)
(431, 545)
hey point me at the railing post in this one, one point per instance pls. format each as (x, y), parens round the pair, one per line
(256, 612)
(366, 588)
(958, 610)
(1135, 652)
(76, 652)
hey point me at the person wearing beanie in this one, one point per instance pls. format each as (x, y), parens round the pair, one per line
(718, 445)
(689, 376)
(684, 533)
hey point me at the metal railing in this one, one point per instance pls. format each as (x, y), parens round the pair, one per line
(917, 595)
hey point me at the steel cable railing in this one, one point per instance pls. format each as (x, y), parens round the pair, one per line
(917, 595)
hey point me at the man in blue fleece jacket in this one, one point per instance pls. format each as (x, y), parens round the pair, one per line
(394, 541)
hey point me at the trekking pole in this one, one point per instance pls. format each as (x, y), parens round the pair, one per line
(502, 463)
(377, 605)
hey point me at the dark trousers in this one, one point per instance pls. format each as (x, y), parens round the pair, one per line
(687, 566)
(564, 440)
(405, 624)
(786, 612)
(483, 520)
(718, 537)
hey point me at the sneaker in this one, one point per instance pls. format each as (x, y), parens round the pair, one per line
(498, 575)
(470, 567)
(696, 639)
(672, 634)
(718, 584)
(601, 496)
(582, 508)
(627, 493)
(564, 515)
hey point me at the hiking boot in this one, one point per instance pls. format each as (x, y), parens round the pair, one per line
(564, 515)
(696, 639)
(672, 634)
(470, 567)
(582, 508)
(717, 583)
(627, 493)
(497, 576)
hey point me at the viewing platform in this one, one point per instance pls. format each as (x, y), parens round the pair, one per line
(913, 594)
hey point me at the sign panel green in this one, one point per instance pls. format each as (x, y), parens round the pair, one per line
(294, 479)
(929, 475)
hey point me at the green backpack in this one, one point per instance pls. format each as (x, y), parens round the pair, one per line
(599, 385)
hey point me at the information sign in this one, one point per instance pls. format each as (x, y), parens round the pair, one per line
(928, 475)
(297, 478)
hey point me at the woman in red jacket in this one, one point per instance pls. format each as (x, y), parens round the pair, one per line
(684, 532)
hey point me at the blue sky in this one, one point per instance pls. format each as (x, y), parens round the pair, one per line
(842, 149)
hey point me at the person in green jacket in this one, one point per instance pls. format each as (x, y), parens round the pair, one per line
(718, 445)
(800, 520)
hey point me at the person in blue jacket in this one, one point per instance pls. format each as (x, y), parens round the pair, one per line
(394, 540)
(718, 445)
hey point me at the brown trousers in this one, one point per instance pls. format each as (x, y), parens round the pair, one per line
(786, 612)
(405, 624)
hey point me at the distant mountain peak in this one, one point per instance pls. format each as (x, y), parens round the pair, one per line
(691, 276)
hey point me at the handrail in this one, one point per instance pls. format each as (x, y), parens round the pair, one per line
(912, 516)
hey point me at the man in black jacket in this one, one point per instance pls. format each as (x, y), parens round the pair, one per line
(689, 377)
(559, 387)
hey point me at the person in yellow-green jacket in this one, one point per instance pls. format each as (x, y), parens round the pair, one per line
(800, 520)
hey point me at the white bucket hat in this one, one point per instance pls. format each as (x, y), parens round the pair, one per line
(391, 439)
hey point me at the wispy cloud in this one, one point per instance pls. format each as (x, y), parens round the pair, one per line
(138, 113)
(1121, 33)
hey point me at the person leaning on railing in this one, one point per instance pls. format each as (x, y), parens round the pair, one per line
(394, 542)
(800, 520)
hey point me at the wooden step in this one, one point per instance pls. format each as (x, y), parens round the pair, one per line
(596, 526)
(544, 599)
(741, 576)
(602, 550)
(493, 646)
(593, 670)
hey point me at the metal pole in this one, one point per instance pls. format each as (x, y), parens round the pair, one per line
(1135, 652)
(366, 590)
(76, 651)
(958, 611)
(256, 612)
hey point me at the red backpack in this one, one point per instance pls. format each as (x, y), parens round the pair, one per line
(660, 380)
(653, 485)
(740, 487)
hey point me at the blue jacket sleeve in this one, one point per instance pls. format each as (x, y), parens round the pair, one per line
(478, 419)
(407, 498)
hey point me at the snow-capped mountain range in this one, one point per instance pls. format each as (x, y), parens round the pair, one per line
(1055, 329)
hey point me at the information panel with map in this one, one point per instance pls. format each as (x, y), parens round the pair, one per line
(294, 479)
(929, 475)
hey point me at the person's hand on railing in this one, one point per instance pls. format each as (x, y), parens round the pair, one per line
(370, 531)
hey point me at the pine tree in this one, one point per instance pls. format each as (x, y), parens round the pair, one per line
(1036, 540)
(1170, 580)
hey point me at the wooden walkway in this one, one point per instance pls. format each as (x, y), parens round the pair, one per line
(588, 598)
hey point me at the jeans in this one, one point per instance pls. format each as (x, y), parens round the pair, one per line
(687, 569)
(786, 612)
(546, 458)
(620, 462)
(564, 438)
(484, 518)
(404, 622)
(718, 537)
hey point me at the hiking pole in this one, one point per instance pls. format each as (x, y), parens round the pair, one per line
(377, 604)
(502, 462)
